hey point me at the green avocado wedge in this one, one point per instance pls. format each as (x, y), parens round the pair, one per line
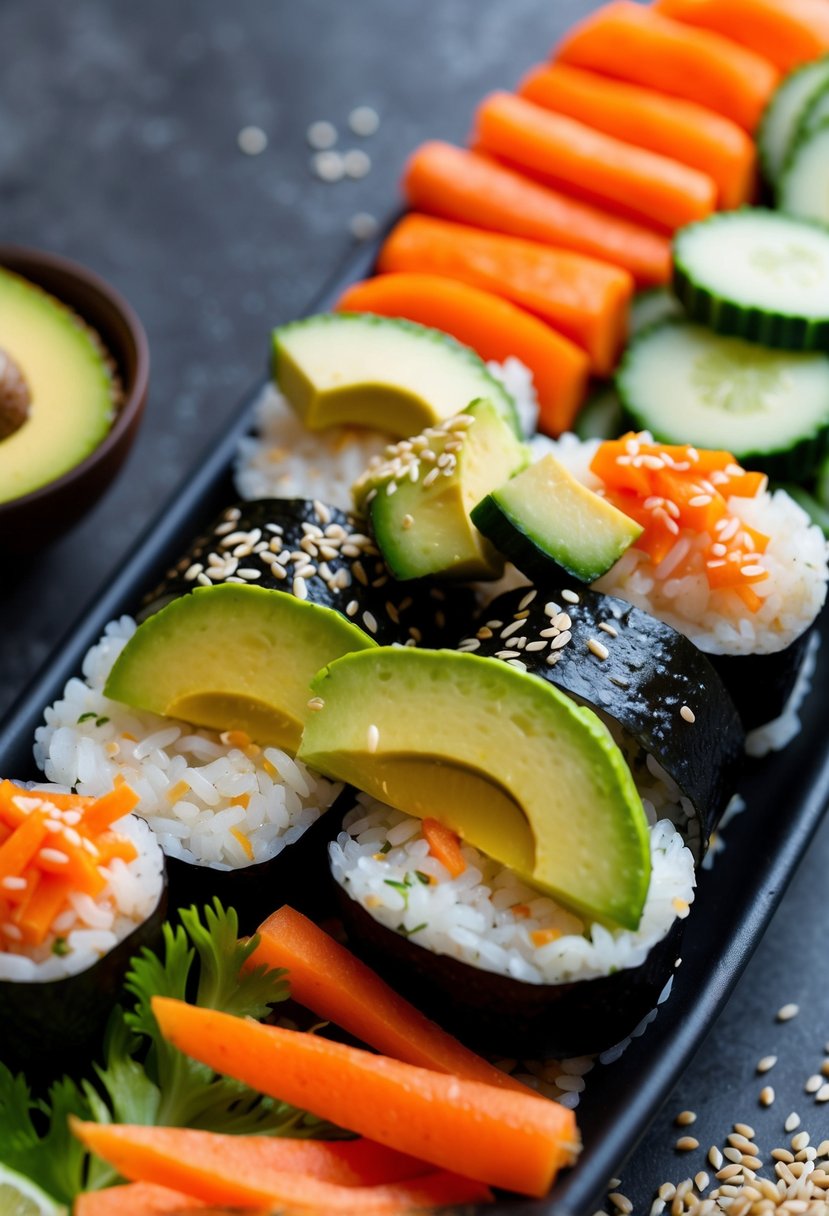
(233, 657)
(503, 758)
(356, 369)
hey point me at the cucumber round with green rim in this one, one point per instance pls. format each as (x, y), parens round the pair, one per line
(756, 274)
(651, 306)
(814, 114)
(780, 120)
(685, 384)
(822, 483)
(601, 416)
(804, 184)
(19, 1196)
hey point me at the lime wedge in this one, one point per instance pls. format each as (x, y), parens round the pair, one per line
(20, 1196)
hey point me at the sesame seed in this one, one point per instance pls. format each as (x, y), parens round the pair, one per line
(363, 226)
(570, 597)
(356, 163)
(372, 738)
(800, 1140)
(686, 1144)
(701, 1180)
(621, 1202)
(299, 588)
(767, 1063)
(507, 654)
(518, 663)
(12, 883)
(542, 645)
(687, 714)
(560, 641)
(552, 659)
(527, 600)
(370, 622)
(407, 521)
(321, 135)
(250, 573)
(252, 141)
(743, 1129)
(822, 1094)
(657, 1207)
(562, 621)
(608, 629)
(685, 1118)
(12, 931)
(364, 120)
(596, 648)
(328, 166)
(787, 1012)
(513, 627)
(316, 703)
(551, 608)
(813, 1084)
(782, 1154)
(733, 1154)
(792, 1122)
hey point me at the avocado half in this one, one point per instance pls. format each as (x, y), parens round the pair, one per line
(505, 760)
(233, 657)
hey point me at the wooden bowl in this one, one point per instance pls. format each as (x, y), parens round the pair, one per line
(39, 517)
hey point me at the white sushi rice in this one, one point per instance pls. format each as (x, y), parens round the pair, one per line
(203, 794)
(717, 620)
(286, 460)
(88, 928)
(473, 917)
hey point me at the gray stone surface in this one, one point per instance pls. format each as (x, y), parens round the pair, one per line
(118, 127)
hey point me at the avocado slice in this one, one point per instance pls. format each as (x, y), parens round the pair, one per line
(531, 778)
(392, 375)
(419, 496)
(233, 657)
(57, 392)
(544, 516)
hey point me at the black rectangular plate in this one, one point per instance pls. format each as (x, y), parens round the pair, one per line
(786, 794)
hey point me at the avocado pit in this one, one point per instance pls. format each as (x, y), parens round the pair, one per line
(15, 396)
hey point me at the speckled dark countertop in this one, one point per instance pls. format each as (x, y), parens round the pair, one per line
(118, 128)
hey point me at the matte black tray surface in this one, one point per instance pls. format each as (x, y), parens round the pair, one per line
(786, 794)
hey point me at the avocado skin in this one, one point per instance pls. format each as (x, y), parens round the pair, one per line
(436, 616)
(507, 1017)
(650, 672)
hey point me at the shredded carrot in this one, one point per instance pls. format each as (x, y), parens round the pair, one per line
(543, 937)
(445, 845)
(669, 489)
(176, 791)
(244, 841)
(521, 910)
(52, 845)
(242, 800)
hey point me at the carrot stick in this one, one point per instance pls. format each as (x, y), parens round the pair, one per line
(493, 327)
(218, 1169)
(584, 299)
(636, 43)
(516, 1141)
(135, 1199)
(680, 129)
(22, 845)
(445, 845)
(109, 808)
(460, 185)
(575, 156)
(327, 979)
(35, 916)
(787, 32)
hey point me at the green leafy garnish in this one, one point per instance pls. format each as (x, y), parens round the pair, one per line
(143, 1079)
(86, 717)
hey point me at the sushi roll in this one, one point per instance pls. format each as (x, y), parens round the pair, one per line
(323, 555)
(738, 568)
(466, 871)
(82, 890)
(233, 818)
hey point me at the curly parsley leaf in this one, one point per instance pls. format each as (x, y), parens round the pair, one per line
(34, 1134)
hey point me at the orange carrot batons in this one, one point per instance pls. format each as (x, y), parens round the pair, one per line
(671, 126)
(467, 186)
(583, 298)
(135, 1199)
(495, 1136)
(237, 1171)
(633, 42)
(577, 157)
(786, 32)
(493, 327)
(327, 979)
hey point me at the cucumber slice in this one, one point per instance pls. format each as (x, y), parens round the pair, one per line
(777, 129)
(601, 416)
(770, 408)
(545, 521)
(804, 184)
(815, 113)
(758, 275)
(822, 484)
(651, 306)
